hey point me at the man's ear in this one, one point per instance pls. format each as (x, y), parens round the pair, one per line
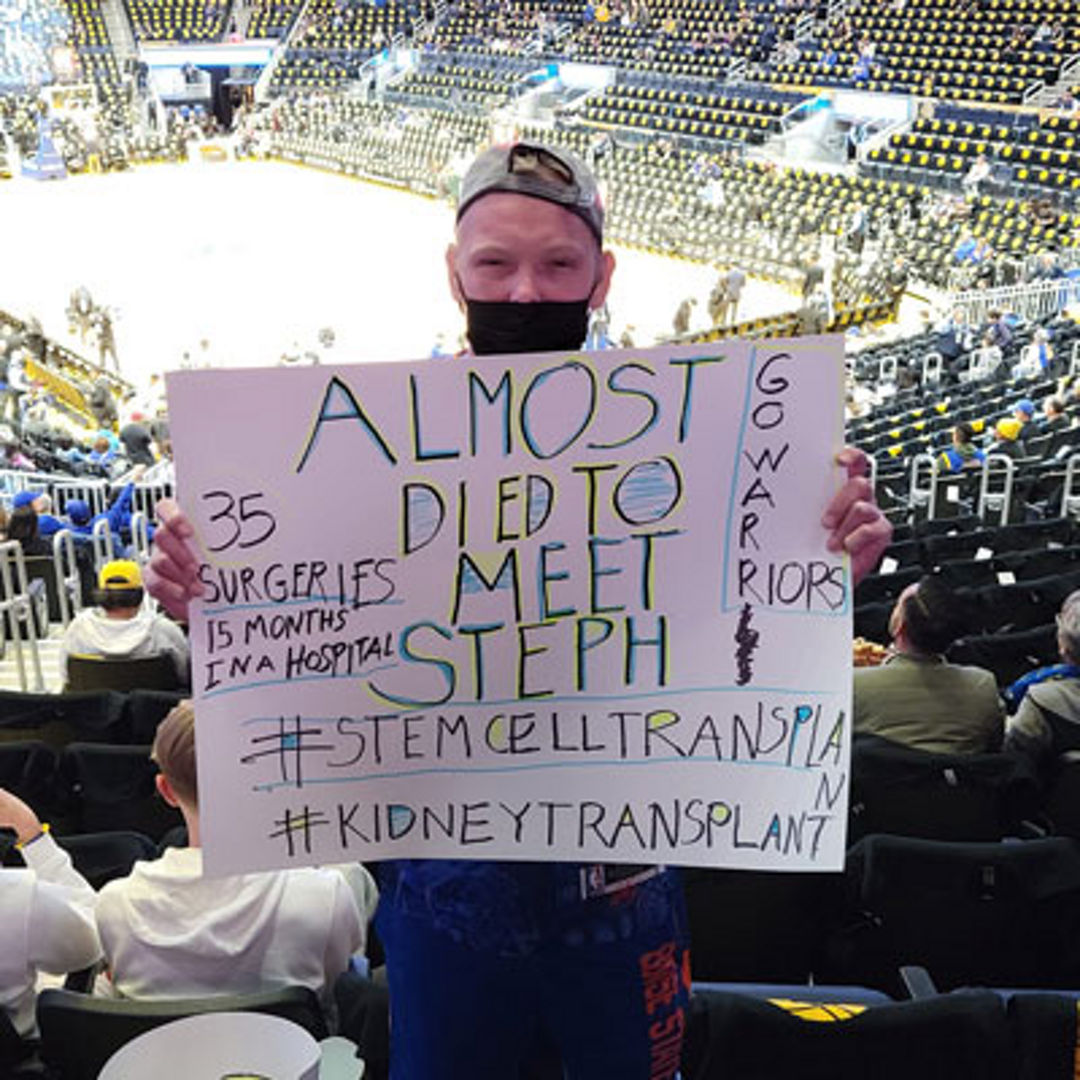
(603, 283)
(165, 790)
(452, 274)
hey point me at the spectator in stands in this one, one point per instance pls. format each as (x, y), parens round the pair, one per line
(963, 454)
(138, 445)
(977, 175)
(998, 330)
(858, 228)
(23, 526)
(1024, 411)
(734, 282)
(447, 927)
(897, 275)
(954, 337)
(81, 520)
(1042, 350)
(101, 404)
(965, 247)
(681, 323)
(14, 458)
(41, 504)
(1054, 417)
(1047, 268)
(813, 276)
(1007, 439)
(168, 932)
(916, 697)
(47, 910)
(121, 626)
(101, 456)
(1047, 721)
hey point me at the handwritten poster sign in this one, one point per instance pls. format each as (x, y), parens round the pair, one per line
(548, 607)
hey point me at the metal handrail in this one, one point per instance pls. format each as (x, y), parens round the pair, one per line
(932, 367)
(102, 540)
(996, 502)
(1070, 498)
(140, 537)
(68, 579)
(18, 607)
(918, 495)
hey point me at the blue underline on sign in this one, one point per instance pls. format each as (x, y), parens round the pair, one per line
(466, 770)
(537, 701)
(311, 601)
(299, 679)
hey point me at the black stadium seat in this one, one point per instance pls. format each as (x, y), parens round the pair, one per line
(101, 857)
(965, 797)
(989, 914)
(1009, 655)
(87, 673)
(79, 1032)
(735, 1037)
(113, 788)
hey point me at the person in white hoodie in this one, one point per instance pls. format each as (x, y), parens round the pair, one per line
(46, 910)
(168, 932)
(121, 627)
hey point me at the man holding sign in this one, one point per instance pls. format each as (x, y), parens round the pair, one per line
(483, 956)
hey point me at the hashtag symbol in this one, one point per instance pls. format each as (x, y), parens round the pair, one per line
(297, 828)
(287, 745)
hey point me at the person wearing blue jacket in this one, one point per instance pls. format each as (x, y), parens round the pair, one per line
(484, 956)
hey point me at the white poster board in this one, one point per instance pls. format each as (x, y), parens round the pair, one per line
(573, 608)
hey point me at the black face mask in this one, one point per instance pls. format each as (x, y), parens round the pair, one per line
(502, 326)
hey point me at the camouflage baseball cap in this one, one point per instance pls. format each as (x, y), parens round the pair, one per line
(537, 170)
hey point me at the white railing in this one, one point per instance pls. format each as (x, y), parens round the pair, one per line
(19, 612)
(1070, 493)
(992, 499)
(1033, 91)
(881, 137)
(140, 538)
(102, 541)
(68, 580)
(1034, 302)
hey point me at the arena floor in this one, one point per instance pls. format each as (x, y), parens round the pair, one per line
(255, 258)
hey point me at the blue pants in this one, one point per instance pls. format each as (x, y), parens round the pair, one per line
(487, 962)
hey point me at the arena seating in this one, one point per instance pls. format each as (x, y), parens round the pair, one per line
(335, 40)
(457, 86)
(702, 116)
(683, 38)
(27, 40)
(178, 20)
(272, 18)
(366, 140)
(1027, 158)
(485, 29)
(993, 53)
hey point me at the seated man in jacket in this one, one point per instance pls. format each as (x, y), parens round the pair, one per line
(916, 697)
(167, 932)
(47, 911)
(122, 627)
(1047, 721)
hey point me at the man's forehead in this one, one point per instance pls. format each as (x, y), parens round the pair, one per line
(510, 216)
